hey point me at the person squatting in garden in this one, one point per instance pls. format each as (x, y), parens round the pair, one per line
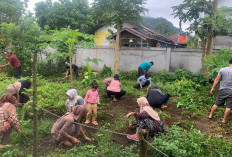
(114, 87)
(13, 60)
(156, 98)
(74, 69)
(143, 81)
(147, 119)
(18, 88)
(73, 99)
(65, 129)
(8, 118)
(225, 91)
(91, 100)
(144, 67)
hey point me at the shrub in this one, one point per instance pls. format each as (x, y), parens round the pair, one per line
(215, 62)
(192, 143)
(132, 75)
(106, 71)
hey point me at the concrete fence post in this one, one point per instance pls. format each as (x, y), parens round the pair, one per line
(168, 59)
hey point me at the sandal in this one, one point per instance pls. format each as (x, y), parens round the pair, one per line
(114, 100)
(87, 122)
(95, 123)
(132, 137)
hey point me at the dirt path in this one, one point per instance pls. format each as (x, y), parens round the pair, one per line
(208, 127)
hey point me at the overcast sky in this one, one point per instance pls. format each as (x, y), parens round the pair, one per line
(157, 8)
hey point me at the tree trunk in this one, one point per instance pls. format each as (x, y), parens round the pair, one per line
(70, 61)
(203, 45)
(35, 115)
(209, 49)
(117, 50)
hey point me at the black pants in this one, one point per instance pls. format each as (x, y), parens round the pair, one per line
(18, 72)
(137, 86)
(118, 95)
(140, 72)
(6, 136)
(75, 72)
(163, 101)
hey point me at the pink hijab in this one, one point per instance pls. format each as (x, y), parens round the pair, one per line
(144, 106)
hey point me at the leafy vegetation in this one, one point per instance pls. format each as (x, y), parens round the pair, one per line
(181, 142)
(161, 25)
(215, 62)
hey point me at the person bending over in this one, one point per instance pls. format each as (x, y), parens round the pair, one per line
(144, 67)
(143, 81)
(13, 60)
(65, 129)
(8, 118)
(74, 69)
(156, 98)
(114, 87)
(18, 90)
(147, 119)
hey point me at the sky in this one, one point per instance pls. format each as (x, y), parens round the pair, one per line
(157, 8)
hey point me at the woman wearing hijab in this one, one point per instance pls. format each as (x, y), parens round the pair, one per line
(73, 99)
(8, 118)
(147, 119)
(114, 87)
(65, 128)
(156, 98)
(17, 89)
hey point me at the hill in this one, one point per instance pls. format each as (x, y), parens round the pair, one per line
(161, 25)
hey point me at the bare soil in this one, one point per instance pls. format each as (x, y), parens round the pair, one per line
(128, 104)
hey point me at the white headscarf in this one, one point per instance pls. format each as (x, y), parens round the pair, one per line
(72, 93)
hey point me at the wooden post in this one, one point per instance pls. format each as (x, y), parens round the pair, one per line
(35, 115)
(143, 145)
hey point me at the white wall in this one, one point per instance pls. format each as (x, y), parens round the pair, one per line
(131, 58)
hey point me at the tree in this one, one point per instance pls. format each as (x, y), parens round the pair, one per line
(74, 14)
(19, 39)
(116, 12)
(203, 15)
(11, 10)
(69, 40)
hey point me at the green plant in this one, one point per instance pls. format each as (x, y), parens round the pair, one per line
(132, 75)
(106, 71)
(217, 61)
(190, 143)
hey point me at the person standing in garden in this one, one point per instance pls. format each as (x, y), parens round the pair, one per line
(114, 87)
(8, 118)
(143, 81)
(91, 100)
(156, 98)
(74, 69)
(65, 129)
(18, 90)
(225, 91)
(144, 67)
(13, 60)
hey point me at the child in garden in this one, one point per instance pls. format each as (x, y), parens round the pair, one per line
(91, 100)
(73, 99)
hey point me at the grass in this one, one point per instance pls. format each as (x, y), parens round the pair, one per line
(190, 95)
